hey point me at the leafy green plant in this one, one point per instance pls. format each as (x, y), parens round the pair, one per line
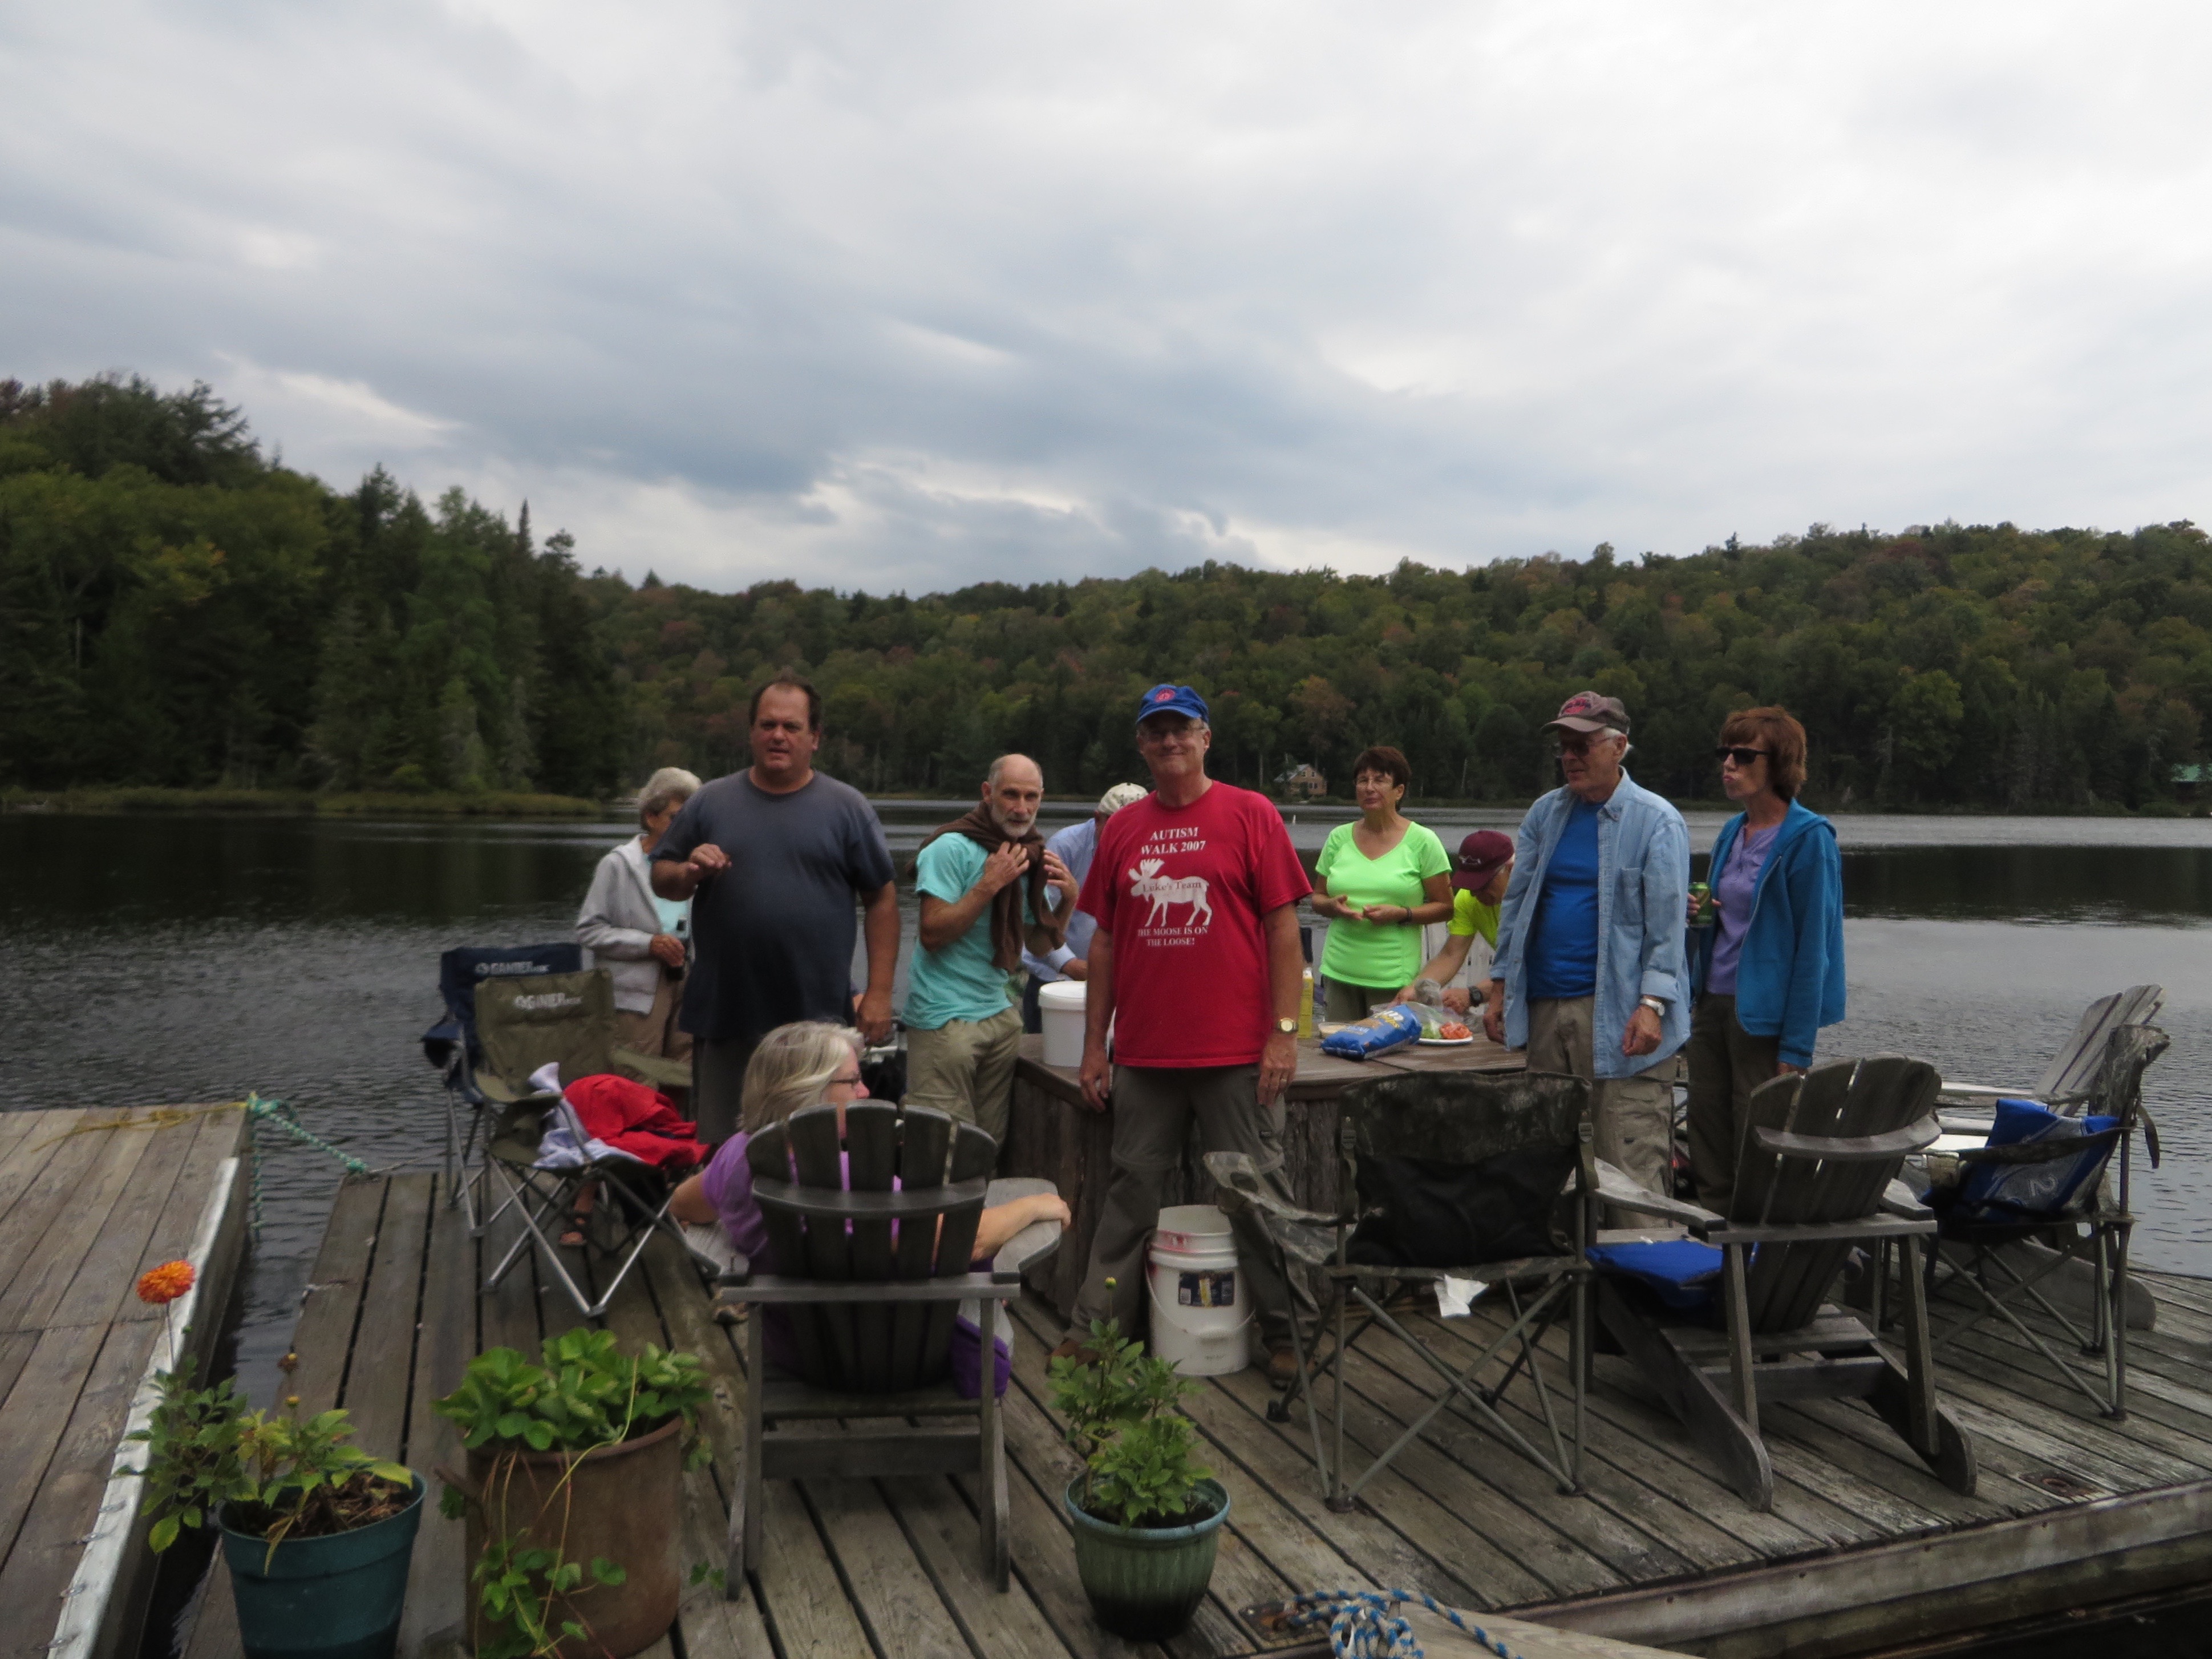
(1139, 1467)
(278, 1476)
(587, 1394)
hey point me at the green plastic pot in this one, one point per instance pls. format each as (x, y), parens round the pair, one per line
(1145, 1582)
(323, 1598)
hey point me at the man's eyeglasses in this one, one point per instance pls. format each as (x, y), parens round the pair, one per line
(1578, 745)
(1160, 732)
(1743, 758)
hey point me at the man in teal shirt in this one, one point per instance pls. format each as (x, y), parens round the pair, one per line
(984, 881)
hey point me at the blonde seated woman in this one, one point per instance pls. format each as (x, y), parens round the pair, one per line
(813, 1063)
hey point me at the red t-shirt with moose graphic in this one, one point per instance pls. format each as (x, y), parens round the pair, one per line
(1182, 890)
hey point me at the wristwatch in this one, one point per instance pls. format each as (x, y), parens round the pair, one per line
(1653, 1004)
(1286, 1026)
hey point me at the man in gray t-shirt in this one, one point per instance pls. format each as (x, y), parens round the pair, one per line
(772, 859)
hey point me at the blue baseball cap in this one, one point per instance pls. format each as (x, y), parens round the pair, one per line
(1171, 699)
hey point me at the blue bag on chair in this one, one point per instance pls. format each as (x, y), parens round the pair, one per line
(2016, 1191)
(1684, 1274)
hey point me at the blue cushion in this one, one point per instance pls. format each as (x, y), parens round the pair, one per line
(1683, 1272)
(2015, 1192)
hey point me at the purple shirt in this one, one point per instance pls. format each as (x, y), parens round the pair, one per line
(728, 1185)
(1733, 892)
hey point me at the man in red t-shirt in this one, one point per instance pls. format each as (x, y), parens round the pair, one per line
(1196, 889)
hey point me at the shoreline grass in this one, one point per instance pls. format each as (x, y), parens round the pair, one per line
(109, 799)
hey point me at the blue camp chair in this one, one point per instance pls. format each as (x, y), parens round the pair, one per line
(2041, 1206)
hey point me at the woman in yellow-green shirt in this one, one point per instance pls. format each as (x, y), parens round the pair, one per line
(1378, 883)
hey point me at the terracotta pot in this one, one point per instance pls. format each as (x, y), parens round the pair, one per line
(620, 1502)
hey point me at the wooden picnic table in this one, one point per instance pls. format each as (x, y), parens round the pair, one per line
(1051, 1132)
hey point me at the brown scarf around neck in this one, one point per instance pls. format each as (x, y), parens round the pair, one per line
(978, 824)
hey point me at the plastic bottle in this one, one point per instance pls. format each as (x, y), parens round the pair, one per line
(1305, 1002)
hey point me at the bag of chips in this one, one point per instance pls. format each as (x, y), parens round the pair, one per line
(1384, 1028)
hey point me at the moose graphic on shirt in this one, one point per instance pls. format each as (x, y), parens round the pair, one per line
(1146, 882)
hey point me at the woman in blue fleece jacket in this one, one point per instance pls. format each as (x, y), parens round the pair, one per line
(1769, 973)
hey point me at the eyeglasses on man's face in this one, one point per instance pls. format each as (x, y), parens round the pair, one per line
(1578, 745)
(1744, 758)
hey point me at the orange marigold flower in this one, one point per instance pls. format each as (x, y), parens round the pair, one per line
(165, 1283)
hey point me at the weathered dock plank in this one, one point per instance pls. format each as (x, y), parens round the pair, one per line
(1863, 1547)
(88, 1198)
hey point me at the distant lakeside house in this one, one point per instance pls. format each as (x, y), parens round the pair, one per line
(1302, 782)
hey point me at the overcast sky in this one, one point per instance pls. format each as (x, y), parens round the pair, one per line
(904, 295)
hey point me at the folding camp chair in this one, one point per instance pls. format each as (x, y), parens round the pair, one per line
(2072, 1072)
(1815, 1174)
(538, 1035)
(1446, 1175)
(450, 1044)
(873, 1275)
(575, 1027)
(2043, 1181)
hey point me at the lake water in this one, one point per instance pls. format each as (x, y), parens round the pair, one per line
(161, 959)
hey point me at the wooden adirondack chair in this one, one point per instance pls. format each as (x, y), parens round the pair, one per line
(874, 1277)
(1820, 1154)
(2072, 1072)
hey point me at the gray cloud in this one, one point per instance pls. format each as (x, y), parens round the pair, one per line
(920, 295)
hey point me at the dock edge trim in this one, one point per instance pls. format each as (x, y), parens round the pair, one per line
(84, 1604)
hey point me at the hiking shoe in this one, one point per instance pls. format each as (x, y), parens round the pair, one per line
(1282, 1365)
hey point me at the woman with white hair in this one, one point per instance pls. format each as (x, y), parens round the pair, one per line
(641, 937)
(815, 1063)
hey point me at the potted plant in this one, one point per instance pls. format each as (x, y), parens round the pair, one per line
(1147, 1515)
(318, 1534)
(573, 1493)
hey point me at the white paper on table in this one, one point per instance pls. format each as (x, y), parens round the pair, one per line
(1455, 1295)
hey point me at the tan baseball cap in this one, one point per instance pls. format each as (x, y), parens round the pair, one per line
(1120, 795)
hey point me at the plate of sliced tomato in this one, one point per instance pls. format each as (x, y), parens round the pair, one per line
(1450, 1035)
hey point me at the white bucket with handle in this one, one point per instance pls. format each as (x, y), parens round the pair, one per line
(1201, 1307)
(1060, 1003)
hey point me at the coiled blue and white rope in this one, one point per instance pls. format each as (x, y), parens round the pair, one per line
(1364, 1624)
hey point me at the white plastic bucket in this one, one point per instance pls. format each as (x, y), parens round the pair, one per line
(1062, 1005)
(1200, 1306)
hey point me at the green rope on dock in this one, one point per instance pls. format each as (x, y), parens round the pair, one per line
(258, 1112)
(1361, 1625)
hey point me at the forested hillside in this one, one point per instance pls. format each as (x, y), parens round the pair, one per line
(177, 608)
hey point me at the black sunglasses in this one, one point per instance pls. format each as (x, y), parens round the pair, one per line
(1740, 756)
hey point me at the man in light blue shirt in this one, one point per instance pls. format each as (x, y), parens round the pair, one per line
(1074, 846)
(1590, 976)
(984, 881)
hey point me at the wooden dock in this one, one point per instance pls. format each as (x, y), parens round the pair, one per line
(88, 1201)
(1862, 1553)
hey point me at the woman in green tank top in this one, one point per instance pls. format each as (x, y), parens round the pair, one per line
(1378, 883)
